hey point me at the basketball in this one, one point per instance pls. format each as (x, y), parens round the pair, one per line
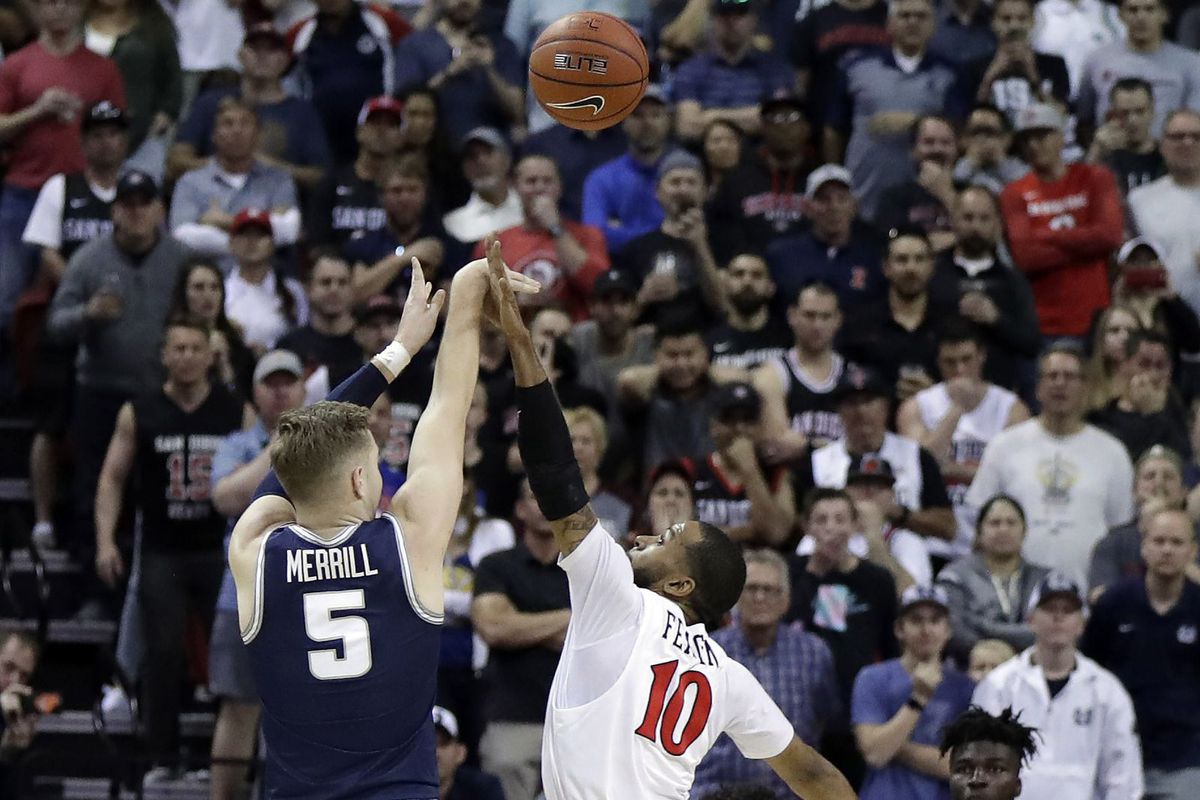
(589, 70)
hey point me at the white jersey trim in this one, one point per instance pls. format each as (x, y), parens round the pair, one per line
(259, 571)
(837, 365)
(312, 538)
(421, 611)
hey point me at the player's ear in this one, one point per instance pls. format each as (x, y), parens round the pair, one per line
(358, 482)
(680, 587)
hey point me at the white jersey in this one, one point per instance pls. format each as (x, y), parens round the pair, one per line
(640, 696)
(974, 430)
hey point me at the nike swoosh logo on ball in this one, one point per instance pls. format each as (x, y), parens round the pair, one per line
(595, 102)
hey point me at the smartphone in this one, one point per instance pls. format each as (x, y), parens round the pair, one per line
(1144, 279)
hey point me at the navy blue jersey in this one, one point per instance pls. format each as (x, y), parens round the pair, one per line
(346, 663)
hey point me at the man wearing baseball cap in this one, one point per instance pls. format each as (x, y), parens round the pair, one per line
(1085, 717)
(239, 465)
(900, 706)
(837, 248)
(1063, 223)
(298, 140)
(733, 490)
(493, 204)
(763, 197)
(457, 780)
(607, 342)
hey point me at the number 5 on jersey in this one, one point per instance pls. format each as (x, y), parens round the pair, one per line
(659, 723)
(352, 632)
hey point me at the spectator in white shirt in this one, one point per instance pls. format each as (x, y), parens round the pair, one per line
(1073, 479)
(1089, 747)
(1072, 29)
(494, 204)
(263, 303)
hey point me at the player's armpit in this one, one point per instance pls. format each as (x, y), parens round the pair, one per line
(571, 530)
(809, 775)
(263, 516)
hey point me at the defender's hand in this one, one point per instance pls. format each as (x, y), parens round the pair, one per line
(503, 284)
(421, 311)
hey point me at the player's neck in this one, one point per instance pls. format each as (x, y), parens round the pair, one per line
(330, 518)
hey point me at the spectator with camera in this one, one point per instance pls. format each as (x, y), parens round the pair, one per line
(19, 656)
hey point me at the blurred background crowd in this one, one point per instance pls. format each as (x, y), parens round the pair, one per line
(902, 295)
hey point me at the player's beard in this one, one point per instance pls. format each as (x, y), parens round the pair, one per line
(644, 575)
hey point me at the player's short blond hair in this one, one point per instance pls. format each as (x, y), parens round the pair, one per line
(589, 416)
(315, 441)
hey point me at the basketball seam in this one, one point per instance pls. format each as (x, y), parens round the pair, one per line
(637, 60)
(585, 85)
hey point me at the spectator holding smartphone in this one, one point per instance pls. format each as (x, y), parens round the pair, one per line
(1145, 287)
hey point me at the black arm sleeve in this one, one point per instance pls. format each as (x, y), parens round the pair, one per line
(546, 452)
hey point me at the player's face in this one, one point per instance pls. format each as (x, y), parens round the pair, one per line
(661, 557)
(187, 355)
(765, 597)
(924, 631)
(830, 523)
(985, 770)
(1058, 622)
(1169, 545)
(815, 320)
(960, 360)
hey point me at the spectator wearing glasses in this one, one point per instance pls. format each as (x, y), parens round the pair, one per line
(793, 665)
(1073, 479)
(1166, 210)
(987, 139)
(1173, 71)
(1124, 142)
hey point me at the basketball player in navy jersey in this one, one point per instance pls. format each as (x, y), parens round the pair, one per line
(340, 609)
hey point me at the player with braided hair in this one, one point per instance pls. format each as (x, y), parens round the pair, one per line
(986, 754)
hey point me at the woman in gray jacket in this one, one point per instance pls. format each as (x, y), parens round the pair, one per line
(989, 590)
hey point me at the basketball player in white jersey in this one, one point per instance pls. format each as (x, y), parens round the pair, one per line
(641, 692)
(955, 419)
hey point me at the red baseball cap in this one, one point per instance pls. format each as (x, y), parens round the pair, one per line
(251, 217)
(383, 104)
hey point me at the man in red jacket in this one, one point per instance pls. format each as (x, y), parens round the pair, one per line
(1063, 223)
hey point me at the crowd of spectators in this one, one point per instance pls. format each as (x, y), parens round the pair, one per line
(901, 294)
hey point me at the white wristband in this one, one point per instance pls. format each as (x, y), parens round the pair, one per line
(395, 357)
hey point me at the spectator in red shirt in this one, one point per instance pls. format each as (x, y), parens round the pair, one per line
(565, 256)
(44, 89)
(1063, 223)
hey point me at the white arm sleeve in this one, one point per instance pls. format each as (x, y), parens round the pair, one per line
(756, 725)
(44, 228)
(604, 599)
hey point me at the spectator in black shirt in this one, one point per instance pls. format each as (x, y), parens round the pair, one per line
(898, 335)
(751, 333)
(974, 279)
(521, 610)
(1125, 143)
(825, 36)
(847, 601)
(1016, 75)
(675, 264)
(925, 201)
(382, 258)
(763, 198)
(328, 338)
(1148, 411)
(346, 203)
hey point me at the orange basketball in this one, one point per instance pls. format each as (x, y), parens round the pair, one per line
(589, 70)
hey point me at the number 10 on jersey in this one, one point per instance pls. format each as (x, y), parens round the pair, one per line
(662, 715)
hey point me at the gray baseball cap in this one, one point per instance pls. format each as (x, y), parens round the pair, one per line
(278, 361)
